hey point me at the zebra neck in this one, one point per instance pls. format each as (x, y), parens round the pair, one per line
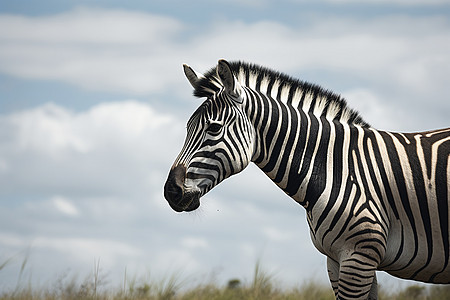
(296, 148)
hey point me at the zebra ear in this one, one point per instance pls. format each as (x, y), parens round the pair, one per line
(191, 76)
(229, 81)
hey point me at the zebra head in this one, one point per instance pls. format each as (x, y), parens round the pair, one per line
(219, 141)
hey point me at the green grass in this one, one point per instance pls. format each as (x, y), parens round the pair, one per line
(262, 286)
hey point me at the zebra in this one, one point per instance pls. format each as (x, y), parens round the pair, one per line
(374, 200)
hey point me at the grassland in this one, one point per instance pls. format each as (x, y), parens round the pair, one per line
(261, 286)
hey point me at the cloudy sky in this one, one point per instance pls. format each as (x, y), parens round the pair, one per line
(93, 105)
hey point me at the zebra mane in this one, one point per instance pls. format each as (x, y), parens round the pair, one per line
(256, 77)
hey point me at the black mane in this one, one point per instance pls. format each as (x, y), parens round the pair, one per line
(210, 84)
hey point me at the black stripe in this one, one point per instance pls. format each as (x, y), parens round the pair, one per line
(384, 179)
(295, 176)
(419, 186)
(442, 201)
(271, 134)
(318, 179)
(264, 123)
(289, 145)
(349, 185)
(401, 186)
(280, 136)
(337, 174)
(309, 150)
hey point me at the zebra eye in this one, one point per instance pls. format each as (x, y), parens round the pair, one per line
(214, 128)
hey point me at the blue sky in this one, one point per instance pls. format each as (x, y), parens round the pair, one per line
(93, 105)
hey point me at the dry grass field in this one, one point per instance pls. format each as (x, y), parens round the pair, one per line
(262, 286)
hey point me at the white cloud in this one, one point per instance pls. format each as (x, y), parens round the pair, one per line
(3, 165)
(90, 26)
(9, 240)
(65, 206)
(84, 250)
(45, 129)
(376, 112)
(142, 53)
(97, 49)
(52, 147)
(194, 242)
(402, 59)
(277, 235)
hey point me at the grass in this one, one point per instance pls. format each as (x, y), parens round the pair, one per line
(262, 286)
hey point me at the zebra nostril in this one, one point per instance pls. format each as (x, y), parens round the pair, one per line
(172, 192)
(173, 189)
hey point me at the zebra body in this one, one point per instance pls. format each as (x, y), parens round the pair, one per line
(375, 200)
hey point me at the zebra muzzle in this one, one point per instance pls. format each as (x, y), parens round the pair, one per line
(173, 189)
(175, 194)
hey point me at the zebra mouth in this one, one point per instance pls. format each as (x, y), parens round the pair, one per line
(189, 202)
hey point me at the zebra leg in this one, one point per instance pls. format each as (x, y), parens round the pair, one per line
(357, 278)
(333, 274)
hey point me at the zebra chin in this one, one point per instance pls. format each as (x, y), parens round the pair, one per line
(189, 202)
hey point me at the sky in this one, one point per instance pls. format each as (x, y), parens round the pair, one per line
(93, 110)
